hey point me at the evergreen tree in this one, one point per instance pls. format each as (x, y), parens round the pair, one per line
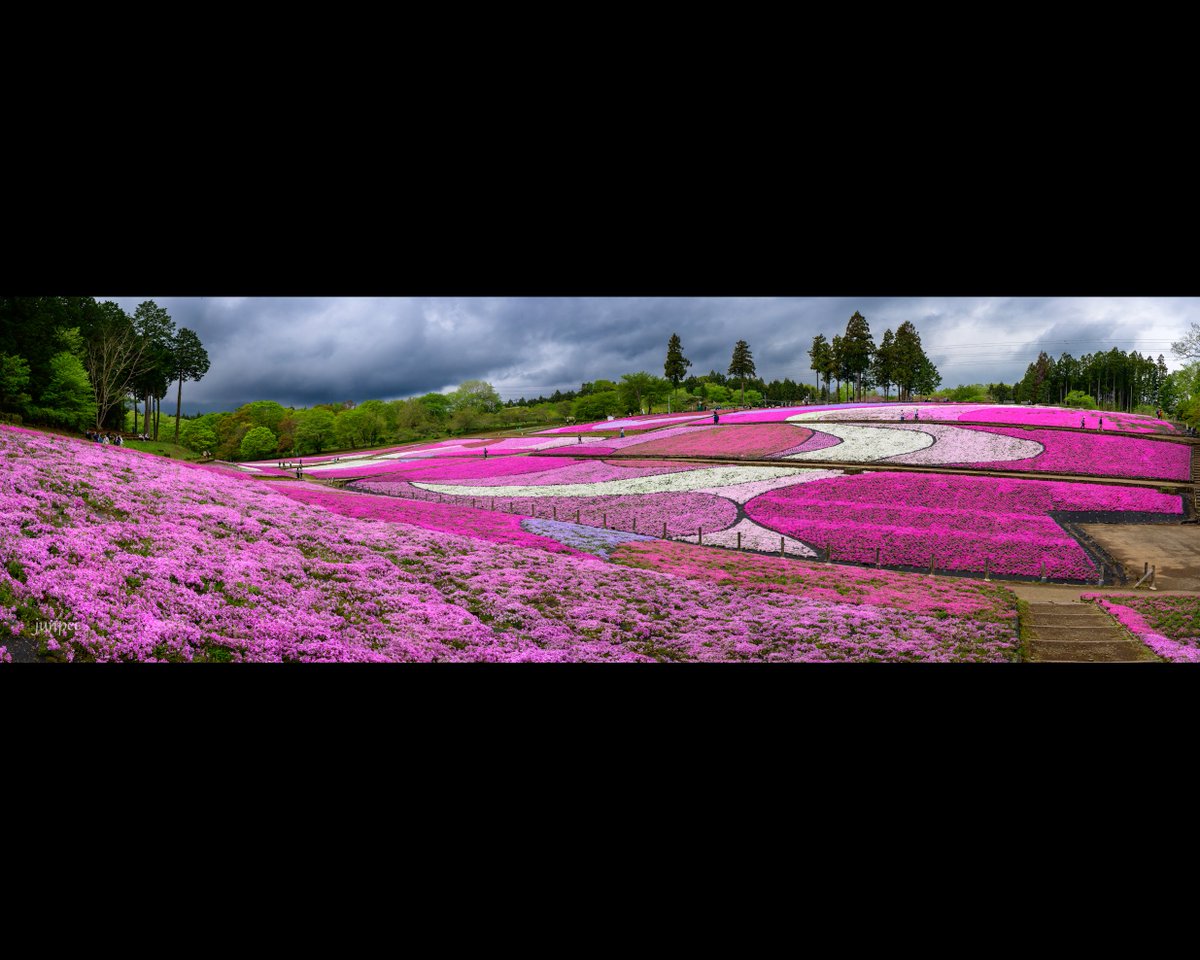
(189, 361)
(884, 361)
(742, 365)
(857, 349)
(676, 366)
(821, 355)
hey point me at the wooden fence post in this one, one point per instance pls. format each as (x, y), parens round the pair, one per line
(780, 546)
(739, 546)
(699, 536)
(664, 529)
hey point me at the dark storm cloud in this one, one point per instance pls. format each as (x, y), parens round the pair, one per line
(303, 351)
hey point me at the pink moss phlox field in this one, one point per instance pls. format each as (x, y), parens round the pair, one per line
(1096, 454)
(647, 422)
(818, 441)
(552, 472)
(852, 616)
(456, 518)
(960, 521)
(446, 468)
(682, 512)
(156, 561)
(1065, 417)
(752, 442)
(1150, 619)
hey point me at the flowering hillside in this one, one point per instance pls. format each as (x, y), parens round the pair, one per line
(113, 555)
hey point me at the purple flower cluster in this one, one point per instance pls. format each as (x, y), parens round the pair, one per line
(593, 540)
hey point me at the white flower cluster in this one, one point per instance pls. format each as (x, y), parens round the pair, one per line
(709, 479)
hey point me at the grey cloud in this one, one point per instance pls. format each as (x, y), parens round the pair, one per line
(303, 351)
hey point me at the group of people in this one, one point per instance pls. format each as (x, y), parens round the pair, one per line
(916, 414)
(113, 438)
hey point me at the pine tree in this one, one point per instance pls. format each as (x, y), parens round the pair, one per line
(884, 361)
(857, 348)
(742, 365)
(676, 366)
(820, 354)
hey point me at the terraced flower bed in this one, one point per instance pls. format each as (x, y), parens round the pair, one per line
(959, 523)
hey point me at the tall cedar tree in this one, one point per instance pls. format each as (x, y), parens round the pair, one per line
(742, 365)
(821, 356)
(884, 361)
(675, 369)
(857, 348)
(190, 361)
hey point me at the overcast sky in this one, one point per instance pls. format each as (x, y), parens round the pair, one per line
(303, 351)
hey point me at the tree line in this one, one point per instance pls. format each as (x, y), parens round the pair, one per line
(1112, 380)
(74, 362)
(852, 357)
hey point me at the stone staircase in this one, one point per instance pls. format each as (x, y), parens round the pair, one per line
(1080, 633)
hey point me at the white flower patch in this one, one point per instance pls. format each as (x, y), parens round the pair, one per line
(956, 445)
(754, 537)
(867, 444)
(744, 492)
(706, 478)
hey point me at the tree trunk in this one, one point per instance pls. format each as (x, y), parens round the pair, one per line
(178, 403)
(135, 416)
(146, 418)
(156, 408)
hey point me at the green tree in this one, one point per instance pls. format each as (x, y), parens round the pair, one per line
(596, 406)
(914, 372)
(257, 443)
(14, 378)
(857, 349)
(884, 361)
(676, 366)
(68, 398)
(265, 413)
(198, 436)
(477, 394)
(438, 406)
(821, 355)
(742, 365)
(189, 361)
(315, 430)
(637, 389)
(157, 331)
(1000, 392)
(1079, 400)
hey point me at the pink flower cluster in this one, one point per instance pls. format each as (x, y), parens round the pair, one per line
(1086, 454)
(751, 442)
(1066, 417)
(959, 522)
(1150, 619)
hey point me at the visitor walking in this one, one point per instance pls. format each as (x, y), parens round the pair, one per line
(622, 433)
(1101, 423)
(716, 417)
(485, 453)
